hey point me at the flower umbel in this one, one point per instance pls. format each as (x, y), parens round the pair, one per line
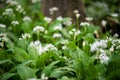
(38, 29)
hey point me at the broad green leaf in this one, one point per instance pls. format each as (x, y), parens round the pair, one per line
(45, 59)
(20, 54)
(57, 73)
(33, 54)
(10, 44)
(6, 76)
(89, 37)
(26, 72)
(5, 61)
(48, 69)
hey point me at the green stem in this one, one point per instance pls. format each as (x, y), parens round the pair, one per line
(77, 24)
(38, 36)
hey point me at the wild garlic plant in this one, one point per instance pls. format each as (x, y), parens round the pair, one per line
(37, 47)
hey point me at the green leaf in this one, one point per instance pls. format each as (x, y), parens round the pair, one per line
(5, 61)
(57, 74)
(6, 76)
(10, 44)
(26, 72)
(89, 37)
(48, 69)
(114, 75)
(33, 54)
(20, 54)
(45, 59)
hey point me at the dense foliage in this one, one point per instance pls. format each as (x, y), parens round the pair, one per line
(34, 47)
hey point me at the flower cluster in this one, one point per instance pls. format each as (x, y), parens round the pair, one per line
(68, 22)
(89, 18)
(12, 2)
(57, 35)
(8, 12)
(102, 44)
(20, 9)
(74, 32)
(15, 23)
(25, 36)
(27, 18)
(48, 19)
(38, 29)
(84, 24)
(2, 26)
(42, 49)
(35, 1)
(103, 57)
(3, 38)
(43, 77)
(103, 22)
(76, 11)
(59, 18)
(53, 9)
(77, 16)
(58, 27)
(64, 43)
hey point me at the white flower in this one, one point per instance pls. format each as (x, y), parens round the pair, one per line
(98, 44)
(53, 9)
(77, 32)
(20, 9)
(14, 23)
(48, 19)
(64, 47)
(27, 18)
(103, 22)
(84, 24)
(37, 45)
(84, 43)
(43, 77)
(68, 22)
(46, 31)
(64, 42)
(74, 32)
(58, 27)
(3, 37)
(112, 49)
(1, 44)
(116, 35)
(40, 49)
(8, 11)
(77, 15)
(57, 35)
(64, 57)
(104, 58)
(25, 36)
(11, 2)
(70, 32)
(32, 79)
(35, 1)
(114, 15)
(2, 26)
(89, 18)
(38, 29)
(49, 47)
(76, 11)
(59, 18)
